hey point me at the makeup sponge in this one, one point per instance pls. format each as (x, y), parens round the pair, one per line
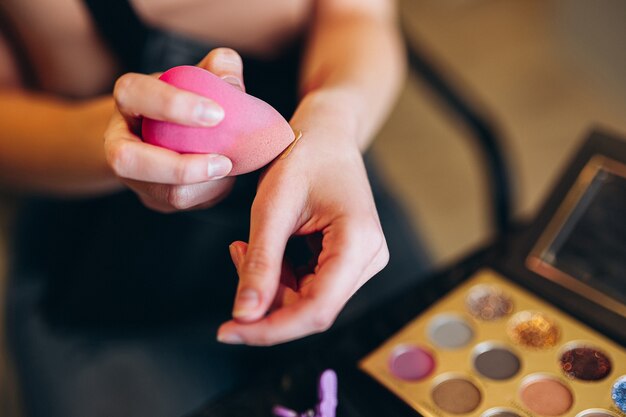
(251, 134)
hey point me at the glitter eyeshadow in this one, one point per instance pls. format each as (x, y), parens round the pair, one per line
(618, 393)
(585, 363)
(533, 330)
(487, 302)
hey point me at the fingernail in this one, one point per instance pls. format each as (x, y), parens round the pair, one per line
(231, 339)
(238, 255)
(209, 113)
(229, 58)
(235, 254)
(234, 81)
(247, 301)
(219, 166)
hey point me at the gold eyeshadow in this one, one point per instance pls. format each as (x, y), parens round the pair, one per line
(492, 349)
(533, 329)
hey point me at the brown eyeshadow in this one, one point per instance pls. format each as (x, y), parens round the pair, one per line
(456, 396)
(585, 363)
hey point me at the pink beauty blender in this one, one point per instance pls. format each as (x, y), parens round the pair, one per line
(251, 134)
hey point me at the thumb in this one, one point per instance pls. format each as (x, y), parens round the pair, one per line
(260, 267)
(227, 64)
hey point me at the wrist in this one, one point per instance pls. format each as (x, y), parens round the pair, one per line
(329, 115)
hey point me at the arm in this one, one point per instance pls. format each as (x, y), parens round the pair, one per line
(354, 65)
(353, 69)
(50, 145)
(42, 147)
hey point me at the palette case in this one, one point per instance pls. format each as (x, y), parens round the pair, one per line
(586, 298)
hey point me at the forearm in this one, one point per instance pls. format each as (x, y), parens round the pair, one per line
(354, 66)
(53, 146)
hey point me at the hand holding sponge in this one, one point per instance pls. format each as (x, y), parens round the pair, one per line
(251, 134)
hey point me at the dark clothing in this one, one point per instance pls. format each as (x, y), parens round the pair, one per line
(113, 308)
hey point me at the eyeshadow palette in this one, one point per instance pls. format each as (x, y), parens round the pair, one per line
(492, 349)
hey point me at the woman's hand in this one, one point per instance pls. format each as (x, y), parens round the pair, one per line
(165, 180)
(320, 188)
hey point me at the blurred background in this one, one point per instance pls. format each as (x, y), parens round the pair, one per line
(545, 71)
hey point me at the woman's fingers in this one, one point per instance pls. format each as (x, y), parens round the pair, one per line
(132, 159)
(139, 95)
(226, 64)
(288, 280)
(271, 225)
(352, 251)
(143, 162)
(164, 180)
(314, 312)
(143, 95)
(168, 198)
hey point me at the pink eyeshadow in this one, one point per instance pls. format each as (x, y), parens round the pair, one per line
(411, 363)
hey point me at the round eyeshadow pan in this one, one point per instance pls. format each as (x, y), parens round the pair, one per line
(449, 331)
(487, 302)
(495, 362)
(456, 395)
(545, 395)
(411, 363)
(533, 329)
(618, 393)
(595, 412)
(585, 363)
(499, 412)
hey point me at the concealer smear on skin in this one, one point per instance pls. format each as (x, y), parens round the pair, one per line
(289, 148)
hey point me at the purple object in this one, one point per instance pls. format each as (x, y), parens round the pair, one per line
(280, 411)
(327, 395)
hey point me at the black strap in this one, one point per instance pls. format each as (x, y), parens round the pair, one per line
(121, 28)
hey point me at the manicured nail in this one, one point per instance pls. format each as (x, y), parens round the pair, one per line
(233, 253)
(236, 254)
(239, 255)
(219, 166)
(234, 81)
(247, 301)
(209, 113)
(231, 339)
